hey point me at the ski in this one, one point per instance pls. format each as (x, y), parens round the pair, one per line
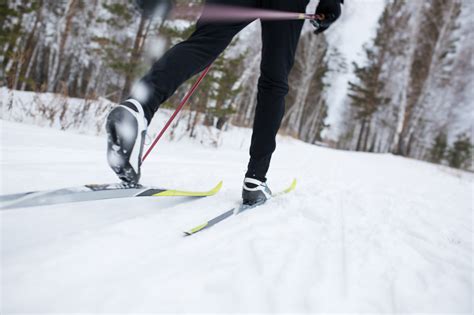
(93, 193)
(235, 211)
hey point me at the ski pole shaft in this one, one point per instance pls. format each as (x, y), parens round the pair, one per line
(227, 13)
(178, 109)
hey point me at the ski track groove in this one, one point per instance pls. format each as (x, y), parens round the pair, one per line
(95, 228)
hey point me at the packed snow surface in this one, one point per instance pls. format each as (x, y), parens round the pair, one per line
(362, 232)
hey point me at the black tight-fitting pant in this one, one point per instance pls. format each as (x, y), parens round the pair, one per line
(280, 39)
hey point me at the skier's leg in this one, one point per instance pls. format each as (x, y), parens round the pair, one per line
(126, 124)
(280, 40)
(183, 61)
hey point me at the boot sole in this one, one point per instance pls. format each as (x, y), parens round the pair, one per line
(122, 132)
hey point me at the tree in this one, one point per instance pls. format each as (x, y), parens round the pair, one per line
(306, 102)
(369, 94)
(226, 70)
(420, 67)
(121, 52)
(16, 40)
(438, 150)
(460, 154)
(431, 60)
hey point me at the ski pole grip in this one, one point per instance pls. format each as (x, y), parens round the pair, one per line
(317, 20)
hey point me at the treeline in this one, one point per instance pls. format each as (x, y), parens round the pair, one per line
(97, 48)
(413, 95)
(85, 48)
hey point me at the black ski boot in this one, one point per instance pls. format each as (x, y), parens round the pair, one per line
(126, 130)
(255, 192)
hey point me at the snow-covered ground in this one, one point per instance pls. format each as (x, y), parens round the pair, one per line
(362, 233)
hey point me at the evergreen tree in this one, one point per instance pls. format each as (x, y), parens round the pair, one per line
(438, 151)
(15, 39)
(121, 52)
(226, 71)
(367, 94)
(460, 154)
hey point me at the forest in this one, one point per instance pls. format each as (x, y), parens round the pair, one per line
(410, 96)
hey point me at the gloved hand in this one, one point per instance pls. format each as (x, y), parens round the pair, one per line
(327, 12)
(149, 8)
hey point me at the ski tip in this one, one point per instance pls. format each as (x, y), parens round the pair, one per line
(216, 189)
(291, 187)
(293, 184)
(179, 193)
(196, 229)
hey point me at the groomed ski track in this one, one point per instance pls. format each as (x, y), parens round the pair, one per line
(362, 233)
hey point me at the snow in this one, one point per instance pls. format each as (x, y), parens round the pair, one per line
(88, 117)
(362, 232)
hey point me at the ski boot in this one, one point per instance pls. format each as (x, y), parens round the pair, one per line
(255, 192)
(126, 130)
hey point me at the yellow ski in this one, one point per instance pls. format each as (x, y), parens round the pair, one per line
(182, 193)
(93, 193)
(235, 211)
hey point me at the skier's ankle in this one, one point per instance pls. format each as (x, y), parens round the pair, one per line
(253, 175)
(130, 105)
(137, 107)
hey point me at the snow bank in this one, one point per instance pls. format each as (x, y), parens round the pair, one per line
(88, 117)
(362, 233)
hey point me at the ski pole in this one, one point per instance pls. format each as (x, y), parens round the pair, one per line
(265, 14)
(178, 109)
(225, 13)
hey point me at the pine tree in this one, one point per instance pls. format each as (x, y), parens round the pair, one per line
(438, 150)
(368, 93)
(15, 39)
(226, 70)
(121, 52)
(460, 154)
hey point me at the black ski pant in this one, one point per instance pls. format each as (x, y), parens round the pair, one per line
(280, 39)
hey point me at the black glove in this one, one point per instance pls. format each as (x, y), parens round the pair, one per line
(149, 8)
(327, 12)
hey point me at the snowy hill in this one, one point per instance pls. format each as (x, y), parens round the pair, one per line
(362, 233)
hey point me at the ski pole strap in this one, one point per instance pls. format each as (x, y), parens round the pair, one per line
(178, 109)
